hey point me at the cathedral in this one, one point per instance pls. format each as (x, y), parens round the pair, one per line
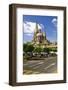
(39, 39)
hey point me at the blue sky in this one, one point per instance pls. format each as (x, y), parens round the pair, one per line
(47, 24)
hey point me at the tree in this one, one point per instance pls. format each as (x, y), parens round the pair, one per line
(46, 50)
(38, 49)
(25, 47)
(28, 47)
(54, 49)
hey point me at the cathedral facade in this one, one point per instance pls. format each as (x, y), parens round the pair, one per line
(39, 39)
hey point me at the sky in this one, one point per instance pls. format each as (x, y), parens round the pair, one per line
(47, 24)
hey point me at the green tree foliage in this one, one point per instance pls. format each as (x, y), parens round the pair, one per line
(53, 49)
(28, 47)
(38, 49)
(46, 50)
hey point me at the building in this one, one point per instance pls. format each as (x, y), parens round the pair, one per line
(40, 39)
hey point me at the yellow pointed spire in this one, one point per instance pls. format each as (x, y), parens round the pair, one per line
(44, 35)
(36, 28)
(35, 32)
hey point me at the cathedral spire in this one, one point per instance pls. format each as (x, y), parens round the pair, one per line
(35, 32)
(44, 35)
(36, 28)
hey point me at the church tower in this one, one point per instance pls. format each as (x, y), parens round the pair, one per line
(39, 38)
(35, 32)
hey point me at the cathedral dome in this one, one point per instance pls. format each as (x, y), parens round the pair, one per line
(39, 33)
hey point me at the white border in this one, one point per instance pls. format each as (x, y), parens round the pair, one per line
(41, 77)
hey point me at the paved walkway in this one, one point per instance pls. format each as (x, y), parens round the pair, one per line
(48, 65)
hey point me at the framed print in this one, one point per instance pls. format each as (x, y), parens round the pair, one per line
(37, 44)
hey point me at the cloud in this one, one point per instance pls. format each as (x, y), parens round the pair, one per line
(54, 21)
(41, 26)
(29, 34)
(29, 27)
